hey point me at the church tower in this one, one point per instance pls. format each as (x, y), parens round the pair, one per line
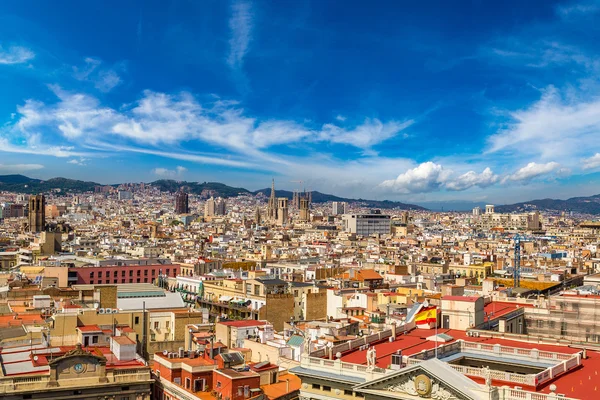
(37, 213)
(272, 206)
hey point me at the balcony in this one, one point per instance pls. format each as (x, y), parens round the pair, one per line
(42, 382)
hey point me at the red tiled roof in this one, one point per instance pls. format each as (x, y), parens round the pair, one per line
(89, 328)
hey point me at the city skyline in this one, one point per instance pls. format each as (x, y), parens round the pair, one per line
(480, 102)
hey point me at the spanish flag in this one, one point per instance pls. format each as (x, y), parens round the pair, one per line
(426, 315)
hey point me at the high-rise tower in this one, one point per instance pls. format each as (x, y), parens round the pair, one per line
(181, 203)
(37, 213)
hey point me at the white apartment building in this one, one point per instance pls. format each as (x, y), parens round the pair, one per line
(367, 224)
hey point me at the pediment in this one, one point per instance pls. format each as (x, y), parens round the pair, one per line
(432, 379)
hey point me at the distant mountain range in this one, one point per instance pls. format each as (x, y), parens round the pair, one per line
(24, 184)
(582, 205)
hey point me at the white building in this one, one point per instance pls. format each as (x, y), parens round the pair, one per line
(367, 224)
(338, 207)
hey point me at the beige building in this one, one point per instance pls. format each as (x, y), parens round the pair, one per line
(461, 312)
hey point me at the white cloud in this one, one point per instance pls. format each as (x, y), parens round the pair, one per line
(471, 178)
(15, 55)
(104, 79)
(340, 118)
(364, 136)
(553, 127)
(19, 168)
(169, 173)
(592, 162)
(165, 124)
(533, 170)
(159, 118)
(426, 177)
(240, 25)
(81, 162)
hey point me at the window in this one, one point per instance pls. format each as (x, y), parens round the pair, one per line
(92, 274)
(347, 392)
(218, 384)
(131, 281)
(99, 274)
(153, 272)
(167, 324)
(139, 273)
(137, 280)
(137, 320)
(188, 383)
(123, 280)
(99, 281)
(115, 273)
(145, 272)
(156, 324)
(152, 337)
(315, 386)
(95, 339)
(123, 273)
(145, 280)
(92, 282)
(130, 272)
(167, 271)
(327, 388)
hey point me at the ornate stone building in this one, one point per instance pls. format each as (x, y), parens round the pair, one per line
(432, 379)
(77, 374)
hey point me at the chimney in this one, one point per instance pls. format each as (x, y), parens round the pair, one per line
(181, 352)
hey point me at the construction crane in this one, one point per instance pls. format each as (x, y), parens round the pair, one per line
(517, 265)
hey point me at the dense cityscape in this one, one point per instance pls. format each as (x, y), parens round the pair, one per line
(299, 200)
(128, 292)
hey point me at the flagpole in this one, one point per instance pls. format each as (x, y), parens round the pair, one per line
(436, 326)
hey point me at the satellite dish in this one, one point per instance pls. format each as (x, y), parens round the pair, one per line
(165, 352)
(35, 358)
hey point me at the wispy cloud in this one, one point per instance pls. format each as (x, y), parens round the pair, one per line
(103, 79)
(592, 162)
(19, 168)
(169, 173)
(556, 126)
(15, 55)
(577, 9)
(159, 119)
(240, 26)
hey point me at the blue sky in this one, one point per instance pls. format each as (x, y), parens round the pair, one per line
(466, 100)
